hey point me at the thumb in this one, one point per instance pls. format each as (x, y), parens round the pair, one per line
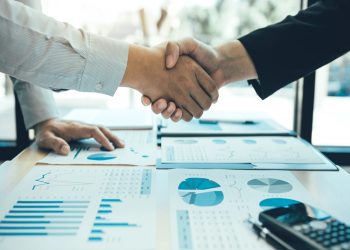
(52, 142)
(172, 53)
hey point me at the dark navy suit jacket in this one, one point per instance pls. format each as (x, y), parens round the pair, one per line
(295, 47)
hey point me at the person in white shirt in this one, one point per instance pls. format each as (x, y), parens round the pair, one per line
(40, 113)
(40, 50)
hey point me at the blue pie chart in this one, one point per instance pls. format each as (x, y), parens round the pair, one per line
(270, 185)
(276, 202)
(200, 192)
(101, 157)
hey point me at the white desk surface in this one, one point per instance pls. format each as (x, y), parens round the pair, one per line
(330, 189)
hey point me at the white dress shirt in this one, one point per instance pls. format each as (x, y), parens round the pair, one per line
(37, 104)
(38, 49)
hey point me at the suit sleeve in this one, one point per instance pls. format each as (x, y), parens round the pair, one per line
(300, 44)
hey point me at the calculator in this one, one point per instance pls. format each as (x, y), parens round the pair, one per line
(306, 227)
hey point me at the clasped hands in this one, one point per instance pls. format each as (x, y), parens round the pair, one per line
(181, 78)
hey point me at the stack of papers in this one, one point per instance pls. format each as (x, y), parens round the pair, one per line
(134, 127)
(140, 149)
(209, 208)
(74, 207)
(225, 128)
(113, 119)
(254, 152)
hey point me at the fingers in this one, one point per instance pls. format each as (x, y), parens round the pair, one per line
(81, 131)
(170, 110)
(192, 107)
(100, 137)
(159, 106)
(145, 100)
(208, 85)
(177, 115)
(186, 115)
(112, 138)
(49, 141)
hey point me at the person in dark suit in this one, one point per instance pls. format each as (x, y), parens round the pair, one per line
(271, 57)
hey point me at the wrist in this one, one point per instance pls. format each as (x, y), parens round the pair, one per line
(37, 127)
(139, 70)
(235, 63)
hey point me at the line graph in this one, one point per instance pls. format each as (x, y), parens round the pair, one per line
(54, 180)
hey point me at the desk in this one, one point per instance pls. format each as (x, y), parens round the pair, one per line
(329, 189)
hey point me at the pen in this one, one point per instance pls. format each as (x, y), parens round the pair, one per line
(213, 121)
(269, 237)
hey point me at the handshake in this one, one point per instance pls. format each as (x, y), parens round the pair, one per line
(181, 79)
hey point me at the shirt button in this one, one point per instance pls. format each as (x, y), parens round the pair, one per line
(99, 86)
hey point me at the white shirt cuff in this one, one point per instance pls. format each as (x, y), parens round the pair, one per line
(105, 66)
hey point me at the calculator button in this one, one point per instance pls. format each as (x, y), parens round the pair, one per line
(336, 248)
(335, 223)
(345, 246)
(313, 235)
(297, 227)
(319, 239)
(334, 241)
(326, 243)
(327, 236)
(318, 225)
(341, 238)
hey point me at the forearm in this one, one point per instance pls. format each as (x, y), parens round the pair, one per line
(38, 49)
(286, 51)
(234, 64)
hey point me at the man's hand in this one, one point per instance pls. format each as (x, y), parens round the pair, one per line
(187, 85)
(55, 135)
(226, 63)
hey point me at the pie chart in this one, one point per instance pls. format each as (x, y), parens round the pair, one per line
(101, 157)
(270, 185)
(200, 192)
(276, 202)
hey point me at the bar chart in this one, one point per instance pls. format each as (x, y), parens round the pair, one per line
(72, 207)
(105, 224)
(44, 218)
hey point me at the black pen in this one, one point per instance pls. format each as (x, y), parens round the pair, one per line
(269, 237)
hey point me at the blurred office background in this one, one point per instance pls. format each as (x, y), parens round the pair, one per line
(214, 22)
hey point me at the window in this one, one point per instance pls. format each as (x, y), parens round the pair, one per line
(151, 22)
(332, 104)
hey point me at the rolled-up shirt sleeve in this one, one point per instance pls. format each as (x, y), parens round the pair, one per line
(40, 50)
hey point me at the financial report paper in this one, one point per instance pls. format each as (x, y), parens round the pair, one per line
(89, 155)
(74, 207)
(254, 149)
(113, 118)
(209, 208)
